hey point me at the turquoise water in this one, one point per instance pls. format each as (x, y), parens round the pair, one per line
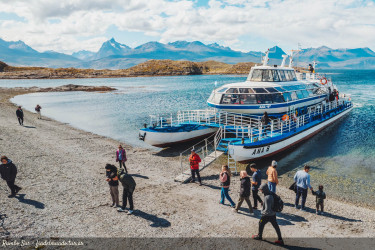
(342, 156)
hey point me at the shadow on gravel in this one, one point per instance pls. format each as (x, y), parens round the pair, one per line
(337, 217)
(140, 176)
(29, 127)
(36, 204)
(156, 221)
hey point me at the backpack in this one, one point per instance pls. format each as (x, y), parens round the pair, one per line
(126, 180)
(278, 203)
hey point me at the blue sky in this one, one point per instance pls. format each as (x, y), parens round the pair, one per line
(247, 25)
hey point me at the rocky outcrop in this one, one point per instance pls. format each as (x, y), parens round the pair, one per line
(66, 88)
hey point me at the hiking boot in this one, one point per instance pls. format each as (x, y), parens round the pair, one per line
(233, 206)
(129, 212)
(296, 206)
(256, 237)
(113, 204)
(121, 209)
(279, 242)
(200, 183)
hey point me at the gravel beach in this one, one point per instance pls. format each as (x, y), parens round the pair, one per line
(61, 170)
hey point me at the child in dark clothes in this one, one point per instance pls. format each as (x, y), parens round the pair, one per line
(320, 196)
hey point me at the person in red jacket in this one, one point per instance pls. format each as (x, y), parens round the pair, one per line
(194, 160)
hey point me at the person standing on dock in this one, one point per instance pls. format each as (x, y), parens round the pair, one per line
(19, 114)
(272, 177)
(121, 157)
(8, 172)
(268, 215)
(37, 109)
(256, 181)
(194, 161)
(225, 183)
(302, 179)
(244, 192)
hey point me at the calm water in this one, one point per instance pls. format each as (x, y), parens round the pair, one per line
(342, 156)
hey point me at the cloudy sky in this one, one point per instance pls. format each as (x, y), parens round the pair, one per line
(72, 25)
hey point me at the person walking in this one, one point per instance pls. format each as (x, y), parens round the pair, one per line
(194, 161)
(225, 183)
(112, 179)
(268, 215)
(37, 109)
(128, 184)
(8, 172)
(121, 157)
(256, 181)
(302, 179)
(19, 113)
(272, 177)
(320, 197)
(244, 192)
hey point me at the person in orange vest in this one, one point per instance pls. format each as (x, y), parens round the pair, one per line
(194, 160)
(272, 177)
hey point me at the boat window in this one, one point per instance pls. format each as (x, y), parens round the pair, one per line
(267, 75)
(264, 99)
(295, 87)
(280, 89)
(287, 96)
(275, 75)
(277, 98)
(294, 95)
(288, 88)
(256, 76)
(246, 90)
(282, 75)
(294, 75)
(271, 90)
(248, 99)
(229, 99)
(311, 93)
(287, 75)
(299, 94)
(222, 90)
(232, 90)
(259, 90)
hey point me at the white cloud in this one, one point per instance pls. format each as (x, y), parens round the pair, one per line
(80, 24)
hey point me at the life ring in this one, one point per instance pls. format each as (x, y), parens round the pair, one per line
(323, 81)
(285, 117)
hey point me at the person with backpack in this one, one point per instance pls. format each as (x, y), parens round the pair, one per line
(8, 172)
(112, 179)
(19, 114)
(128, 184)
(302, 179)
(271, 204)
(320, 197)
(256, 181)
(244, 192)
(121, 157)
(272, 177)
(37, 109)
(225, 183)
(194, 161)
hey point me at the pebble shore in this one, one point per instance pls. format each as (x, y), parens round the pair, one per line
(61, 170)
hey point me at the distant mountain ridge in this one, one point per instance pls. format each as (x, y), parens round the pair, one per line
(114, 55)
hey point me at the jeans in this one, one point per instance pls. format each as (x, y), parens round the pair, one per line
(321, 205)
(225, 194)
(122, 163)
(193, 172)
(113, 190)
(264, 220)
(256, 198)
(127, 195)
(13, 187)
(303, 192)
(239, 203)
(272, 187)
(20, 120)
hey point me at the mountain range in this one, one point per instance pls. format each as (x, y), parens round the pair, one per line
(114, 55)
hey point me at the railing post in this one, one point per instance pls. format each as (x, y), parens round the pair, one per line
(251, 134)
(281, 130)
(226, 118)
(260, 129)
(206, 145)
(271, 128)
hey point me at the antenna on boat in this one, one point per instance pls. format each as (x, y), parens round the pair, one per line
(291, 59)
(284, 59)
(265, 58)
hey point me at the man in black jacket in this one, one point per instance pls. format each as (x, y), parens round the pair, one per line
(8, 172)
(129, 184)
(19, 114)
